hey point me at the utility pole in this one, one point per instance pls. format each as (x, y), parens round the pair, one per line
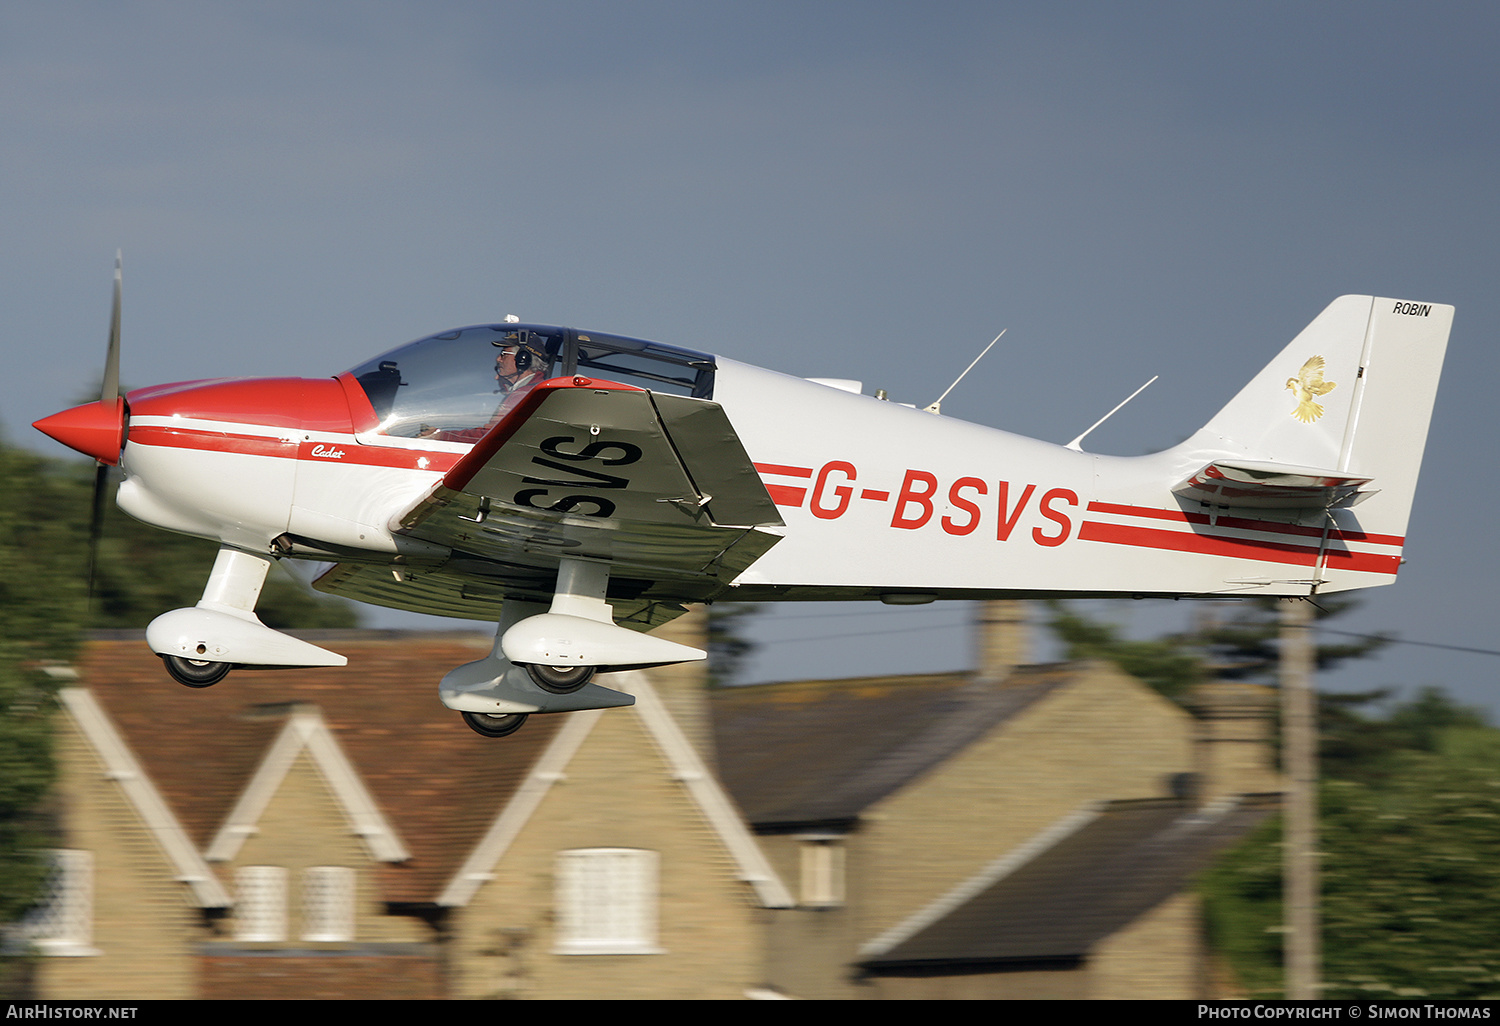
(1302, 955)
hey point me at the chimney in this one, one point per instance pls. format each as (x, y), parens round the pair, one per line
(1002, 638)
(1233, 748)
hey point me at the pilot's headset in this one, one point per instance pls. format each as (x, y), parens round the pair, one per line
(526, 350)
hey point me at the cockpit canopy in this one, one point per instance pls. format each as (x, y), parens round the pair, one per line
(457, 384)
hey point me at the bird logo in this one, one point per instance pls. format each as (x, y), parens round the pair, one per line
(1307, 386)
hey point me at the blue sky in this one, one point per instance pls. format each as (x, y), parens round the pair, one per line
(867, 190)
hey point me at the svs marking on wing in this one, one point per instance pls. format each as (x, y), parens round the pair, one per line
(582, 478)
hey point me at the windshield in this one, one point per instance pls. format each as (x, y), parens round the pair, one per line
(456, 385)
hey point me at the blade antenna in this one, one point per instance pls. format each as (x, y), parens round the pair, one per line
(937, 406)
(1074, 444)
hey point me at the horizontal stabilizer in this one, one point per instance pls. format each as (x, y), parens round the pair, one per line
(1259, 485)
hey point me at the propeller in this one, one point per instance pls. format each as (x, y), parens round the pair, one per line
(97, 429)
(109, 399)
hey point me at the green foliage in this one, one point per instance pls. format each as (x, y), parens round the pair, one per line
(1242, 910)
(26, 773)
(1165, 664)
(1242, 646)
(727, 646)
(143, 571)
(40, 607)
(1409, 820)
(1354, 746)
(44, 513)
(1408, 829)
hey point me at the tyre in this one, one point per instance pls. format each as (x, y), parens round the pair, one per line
(196, 673)
(560, 680)
(495, 726)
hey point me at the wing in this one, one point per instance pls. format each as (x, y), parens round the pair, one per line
(657, 485)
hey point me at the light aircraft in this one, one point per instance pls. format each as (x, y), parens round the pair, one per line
(577, 488)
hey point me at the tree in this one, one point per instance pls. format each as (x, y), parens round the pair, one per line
(727, 645)
(41, 605)
(142, 571)
(1240, 647)
(1409, 822)
(1408, 875)
(1244, 646)
(1166, 664)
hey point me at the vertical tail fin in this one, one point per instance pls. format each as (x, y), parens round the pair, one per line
(1353, 394)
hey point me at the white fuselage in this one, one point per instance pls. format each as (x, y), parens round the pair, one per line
(878, 499)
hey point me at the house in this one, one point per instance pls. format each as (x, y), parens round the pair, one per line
(340, 834)
(894, 800)
(337, 833)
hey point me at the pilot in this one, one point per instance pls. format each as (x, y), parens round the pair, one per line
(519, 366)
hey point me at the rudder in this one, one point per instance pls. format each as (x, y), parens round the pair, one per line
(1352, 393)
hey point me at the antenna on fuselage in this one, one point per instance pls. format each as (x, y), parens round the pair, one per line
(1074, 444)
(937, 406)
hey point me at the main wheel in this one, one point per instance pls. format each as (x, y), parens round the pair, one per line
(495, 726)
(560, 680)
(196, 673)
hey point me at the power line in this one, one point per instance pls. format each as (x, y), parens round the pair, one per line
(1405, 641)
(952, 626)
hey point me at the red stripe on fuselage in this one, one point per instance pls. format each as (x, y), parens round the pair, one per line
(786, 495)
(1236, 548)
(1186, 541)
(1239, 523)
(782, 471)
(349, 451)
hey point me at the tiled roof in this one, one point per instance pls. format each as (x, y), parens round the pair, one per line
(801, 754)
(438, 783)
(1081, 888)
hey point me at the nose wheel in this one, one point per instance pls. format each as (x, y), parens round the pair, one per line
(196, 673)
(495, 726)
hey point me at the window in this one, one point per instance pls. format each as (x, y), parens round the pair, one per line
(328, 904)
(647, 365)
(822, 871)
(260, 907)
(63, 921)
(606, 901)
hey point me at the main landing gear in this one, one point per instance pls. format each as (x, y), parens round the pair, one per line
(545, 657)
(560, 680)
(495, 726)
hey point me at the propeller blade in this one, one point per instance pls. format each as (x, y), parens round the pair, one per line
(96, 529)
(109, 397)
(109, 391)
